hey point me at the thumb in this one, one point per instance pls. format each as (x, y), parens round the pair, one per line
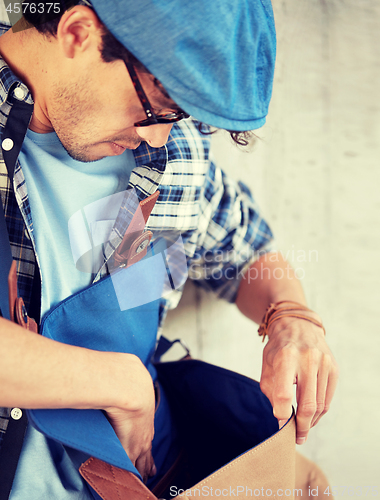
(281, 423)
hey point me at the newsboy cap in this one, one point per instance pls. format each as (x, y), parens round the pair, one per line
(215, 58)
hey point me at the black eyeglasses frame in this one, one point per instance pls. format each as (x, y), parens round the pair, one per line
(151, 117)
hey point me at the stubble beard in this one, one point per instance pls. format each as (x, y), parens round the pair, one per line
(71, 115)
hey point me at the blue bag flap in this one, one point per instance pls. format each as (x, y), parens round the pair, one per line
(85, 430)
(96, 318)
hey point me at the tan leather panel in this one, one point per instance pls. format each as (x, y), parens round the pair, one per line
(271, 465)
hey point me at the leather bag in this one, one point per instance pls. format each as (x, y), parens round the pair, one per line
(231, 442)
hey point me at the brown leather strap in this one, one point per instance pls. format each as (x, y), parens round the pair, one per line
(112, 483)
(12, 290)
(23, 318)
(17, 309)
(286, 308)
(135, 241)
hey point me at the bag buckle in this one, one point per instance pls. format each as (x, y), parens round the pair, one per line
(164, 345)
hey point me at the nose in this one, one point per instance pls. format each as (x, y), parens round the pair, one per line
(155, 135)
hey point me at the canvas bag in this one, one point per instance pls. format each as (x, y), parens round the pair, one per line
(225, 422)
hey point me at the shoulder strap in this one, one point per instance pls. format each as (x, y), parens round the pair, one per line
(10, 451)
(12, 442)
(5, 265)
(13, 135)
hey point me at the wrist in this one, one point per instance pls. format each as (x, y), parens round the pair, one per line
(278, 315)
(131, 386)
(285, 323)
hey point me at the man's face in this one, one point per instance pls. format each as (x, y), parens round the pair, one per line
(94, 114)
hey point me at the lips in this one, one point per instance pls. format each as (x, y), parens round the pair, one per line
(116, 148)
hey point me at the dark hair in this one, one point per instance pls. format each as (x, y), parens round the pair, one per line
(47, 21)
(47, 24)
(243, 138)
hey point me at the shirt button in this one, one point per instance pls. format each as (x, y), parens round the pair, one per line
(7, 144)
(16, 413)
(19, 93)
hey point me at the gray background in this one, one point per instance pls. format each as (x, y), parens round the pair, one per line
(315, 174)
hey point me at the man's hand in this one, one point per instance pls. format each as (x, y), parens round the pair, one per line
(135, 431)
(134, 425)
(55, 375)
(297, 353)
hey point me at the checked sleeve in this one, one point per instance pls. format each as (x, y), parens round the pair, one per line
(231, 234)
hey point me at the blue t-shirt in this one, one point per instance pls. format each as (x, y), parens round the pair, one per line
(59, 190)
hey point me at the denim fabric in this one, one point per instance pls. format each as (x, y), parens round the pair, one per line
(215, 59)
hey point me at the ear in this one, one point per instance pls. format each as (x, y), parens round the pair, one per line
(78, 30)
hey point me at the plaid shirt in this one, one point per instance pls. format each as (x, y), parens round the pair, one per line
(220, 224)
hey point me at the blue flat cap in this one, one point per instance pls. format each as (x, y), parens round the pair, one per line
(215, 58)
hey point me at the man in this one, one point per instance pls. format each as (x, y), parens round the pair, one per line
(92, 133)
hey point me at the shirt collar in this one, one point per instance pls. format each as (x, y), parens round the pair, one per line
(150, 167)
(9, 81)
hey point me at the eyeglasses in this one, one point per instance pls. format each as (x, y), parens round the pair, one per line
(151, 118)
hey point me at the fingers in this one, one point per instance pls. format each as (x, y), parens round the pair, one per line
(281, 424)
(284, 378)
(145, 465)
(306, 400)
(315, 372)
(322, 383)
(315, 390)
(326, 390)
(277, 384)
